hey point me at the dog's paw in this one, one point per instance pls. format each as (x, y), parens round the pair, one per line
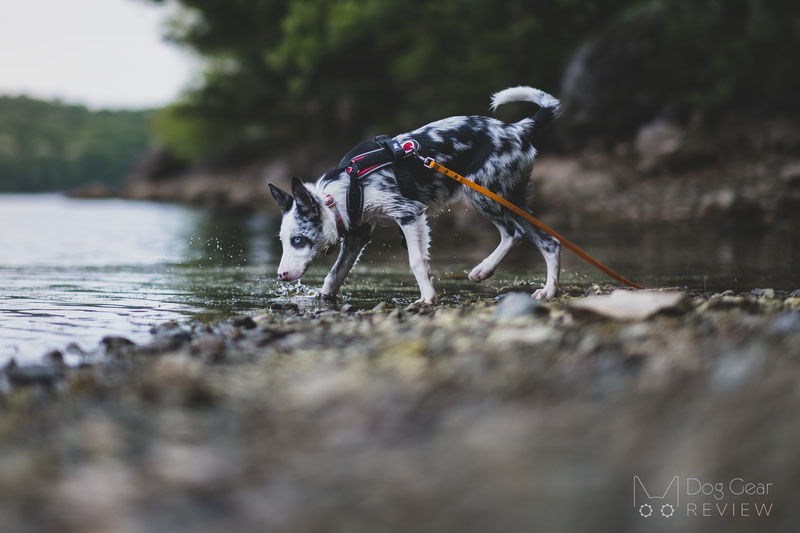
(319, 295)
(480, 273)
(545, 294)
(425, 300)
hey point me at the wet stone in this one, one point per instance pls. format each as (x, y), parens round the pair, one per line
(244, 322)
(33, 375)
(517, 305)
(634, 305)
(113, 344)
(262, 338)
(764, 293)
(288, 306)
(55, 357)
(173, 340)
(210, 348)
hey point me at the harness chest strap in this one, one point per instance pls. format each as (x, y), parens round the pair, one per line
(387, 152)
(355, 199)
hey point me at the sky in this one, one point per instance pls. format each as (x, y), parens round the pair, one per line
(99, 53)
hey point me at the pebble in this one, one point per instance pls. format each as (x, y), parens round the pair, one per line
(209, 347)
(33, 374)
(764, 293)
(54, 357)
(113, 344)
(634, 305)
(288, 306)
(516, 305)
(167, 342)
(244, 322)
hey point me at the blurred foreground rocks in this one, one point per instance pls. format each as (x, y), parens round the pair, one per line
(509, 416)
(737, 173)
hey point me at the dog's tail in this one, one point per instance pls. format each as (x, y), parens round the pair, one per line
(548, 106)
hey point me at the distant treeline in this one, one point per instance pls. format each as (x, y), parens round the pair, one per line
(48, 146)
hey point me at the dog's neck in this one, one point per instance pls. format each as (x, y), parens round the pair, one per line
(333, 195)
(330, 203)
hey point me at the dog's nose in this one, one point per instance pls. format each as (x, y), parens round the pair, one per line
(283, 276)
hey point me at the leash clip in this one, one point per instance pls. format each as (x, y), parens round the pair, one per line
(410, 148)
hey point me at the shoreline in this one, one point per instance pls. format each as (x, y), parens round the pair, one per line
(737, 171)
(303, 417)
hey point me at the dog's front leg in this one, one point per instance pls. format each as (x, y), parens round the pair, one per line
(416, 234)
(353, 242)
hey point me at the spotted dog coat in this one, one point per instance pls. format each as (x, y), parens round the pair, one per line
(494, 154)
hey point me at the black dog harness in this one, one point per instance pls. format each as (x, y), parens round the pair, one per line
(381, 153)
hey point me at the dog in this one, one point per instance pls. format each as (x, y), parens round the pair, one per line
(492, 153)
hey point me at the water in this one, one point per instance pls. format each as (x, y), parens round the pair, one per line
(78, 270)
(74, 271)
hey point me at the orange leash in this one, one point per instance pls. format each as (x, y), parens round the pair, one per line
(428, 162)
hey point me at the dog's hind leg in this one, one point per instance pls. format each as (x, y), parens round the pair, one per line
(416, 232)
(352, 245)
(486, 268)
(551, 250)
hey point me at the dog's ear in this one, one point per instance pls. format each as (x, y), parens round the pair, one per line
(284, 199)
(307, 204)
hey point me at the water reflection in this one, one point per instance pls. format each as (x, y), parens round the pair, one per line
(231, 240)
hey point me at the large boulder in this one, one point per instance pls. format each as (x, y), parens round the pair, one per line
(610, 86)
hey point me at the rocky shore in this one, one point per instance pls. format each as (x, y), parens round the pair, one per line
(488, 415)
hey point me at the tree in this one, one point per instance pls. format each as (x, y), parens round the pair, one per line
(48, 146)
(325, 70)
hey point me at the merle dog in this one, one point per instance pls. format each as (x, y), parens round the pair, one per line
(490, 152)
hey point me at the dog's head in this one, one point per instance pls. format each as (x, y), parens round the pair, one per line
(307, 229)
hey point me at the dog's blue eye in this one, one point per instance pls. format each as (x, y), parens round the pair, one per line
(298, 242)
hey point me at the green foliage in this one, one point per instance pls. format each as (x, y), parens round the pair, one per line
(730, 52)
(300, 71)
(188, 136)
(48, 146)
(307, 70)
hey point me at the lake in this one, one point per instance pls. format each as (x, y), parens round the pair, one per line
(74, 271)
